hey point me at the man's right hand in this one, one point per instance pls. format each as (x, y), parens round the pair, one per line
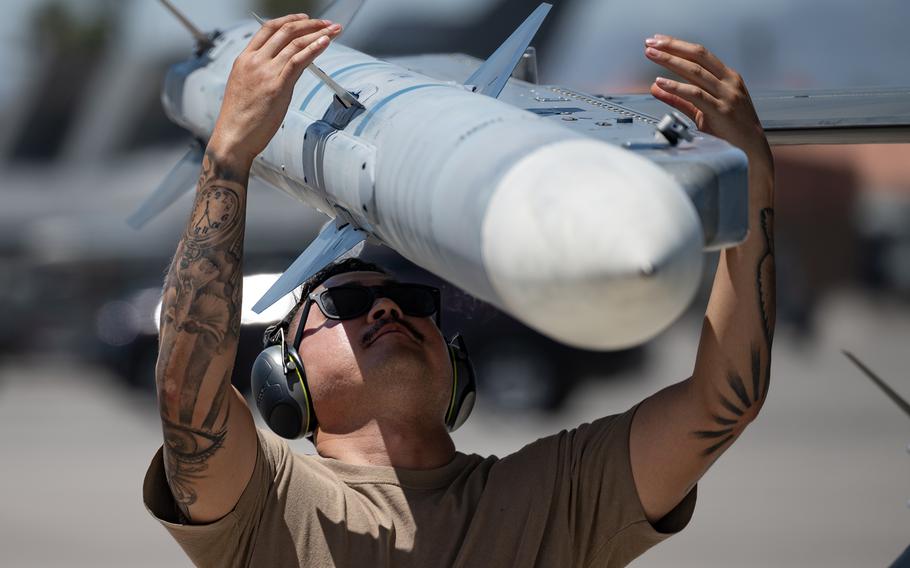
(261, 83)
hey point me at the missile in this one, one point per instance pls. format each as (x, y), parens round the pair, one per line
(592, 243)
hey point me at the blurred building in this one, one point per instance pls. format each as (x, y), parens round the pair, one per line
(867, 241)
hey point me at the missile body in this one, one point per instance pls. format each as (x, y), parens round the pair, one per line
(582, 240)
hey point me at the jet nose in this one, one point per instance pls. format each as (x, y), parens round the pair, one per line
(592, 245)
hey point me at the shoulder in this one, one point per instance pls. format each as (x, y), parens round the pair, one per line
(282, 462)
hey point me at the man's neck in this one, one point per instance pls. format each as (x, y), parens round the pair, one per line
(388, 443)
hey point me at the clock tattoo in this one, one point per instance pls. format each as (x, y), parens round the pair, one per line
(215, 220)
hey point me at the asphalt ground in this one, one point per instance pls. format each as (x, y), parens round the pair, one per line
(821, 479)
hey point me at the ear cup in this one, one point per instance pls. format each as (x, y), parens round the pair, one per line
(464, 386)
(281, 392)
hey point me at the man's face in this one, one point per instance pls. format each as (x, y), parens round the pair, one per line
(382, 362)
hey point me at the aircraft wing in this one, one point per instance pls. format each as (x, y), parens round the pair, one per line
(857, 116)
(847, 116)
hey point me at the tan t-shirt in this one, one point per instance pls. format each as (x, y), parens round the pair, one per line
(565, 500)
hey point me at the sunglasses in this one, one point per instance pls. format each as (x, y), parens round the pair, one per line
(351, 301)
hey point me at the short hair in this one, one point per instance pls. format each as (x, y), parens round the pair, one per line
(272, 333)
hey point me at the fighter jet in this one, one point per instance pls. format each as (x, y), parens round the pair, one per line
(583, 216)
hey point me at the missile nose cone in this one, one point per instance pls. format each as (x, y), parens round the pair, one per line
(592, 245)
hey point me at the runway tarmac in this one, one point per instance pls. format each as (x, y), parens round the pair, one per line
(821, 479)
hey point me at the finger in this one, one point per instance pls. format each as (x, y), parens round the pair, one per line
(675, 101)
(300, 60)
(690, 70)
(296, 45)
(269, 28)
(289, 32)
(699, 98)
(691, 51)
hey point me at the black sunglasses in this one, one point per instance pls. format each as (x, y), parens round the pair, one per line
(351, 301)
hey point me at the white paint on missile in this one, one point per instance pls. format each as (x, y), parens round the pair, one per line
(588, 243)
(592, 244)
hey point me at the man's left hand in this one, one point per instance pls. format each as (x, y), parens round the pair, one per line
(715, 98)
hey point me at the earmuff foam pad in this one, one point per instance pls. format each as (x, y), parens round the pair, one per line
(285, 420)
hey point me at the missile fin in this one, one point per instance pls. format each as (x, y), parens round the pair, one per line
(490, 79)
(179, 180)
(203, 41)
(346, 98)
(332, 242)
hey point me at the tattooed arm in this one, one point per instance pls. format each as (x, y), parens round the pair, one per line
(209, 436)
(680, 431)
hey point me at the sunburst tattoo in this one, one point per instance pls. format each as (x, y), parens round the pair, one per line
(737, 405)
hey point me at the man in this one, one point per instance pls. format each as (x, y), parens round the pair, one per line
(387, 487)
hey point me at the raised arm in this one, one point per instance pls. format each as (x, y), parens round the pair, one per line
(209, 435)
(680, 431)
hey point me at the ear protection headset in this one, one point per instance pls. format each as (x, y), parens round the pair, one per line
(283, 397)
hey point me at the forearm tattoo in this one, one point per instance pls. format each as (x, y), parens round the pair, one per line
(200, 328)
(735, 397)
(765, 279)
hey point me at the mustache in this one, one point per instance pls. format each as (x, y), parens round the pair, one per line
(376, 327)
